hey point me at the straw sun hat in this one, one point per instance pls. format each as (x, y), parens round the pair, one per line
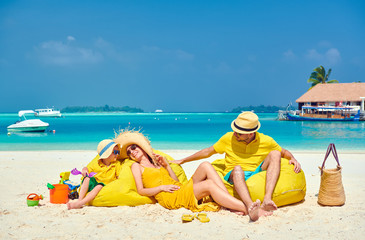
(245, 123)
(105, 148)
(129, 137)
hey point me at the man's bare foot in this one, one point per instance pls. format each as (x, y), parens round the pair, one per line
(74, 205)
(269, 205)
(253, 210)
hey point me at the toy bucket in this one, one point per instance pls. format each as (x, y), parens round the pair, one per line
(59, 194)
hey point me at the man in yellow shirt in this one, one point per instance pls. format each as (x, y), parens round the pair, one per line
(248, 152)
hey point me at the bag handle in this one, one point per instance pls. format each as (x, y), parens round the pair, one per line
(330, 148)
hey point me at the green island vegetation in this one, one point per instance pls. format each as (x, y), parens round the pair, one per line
(259, 109)
(106, 108)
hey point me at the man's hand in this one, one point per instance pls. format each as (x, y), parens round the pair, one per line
(178, 161)
(205, 153)
(296, 164)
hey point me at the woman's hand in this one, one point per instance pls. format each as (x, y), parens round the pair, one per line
(161, 160)
(169, 188)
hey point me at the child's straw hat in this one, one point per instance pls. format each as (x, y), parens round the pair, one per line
(105, 148)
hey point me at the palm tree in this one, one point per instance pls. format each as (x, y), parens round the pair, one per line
(319, 76)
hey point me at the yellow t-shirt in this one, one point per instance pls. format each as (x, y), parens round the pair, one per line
(248, 156)
(104, 174)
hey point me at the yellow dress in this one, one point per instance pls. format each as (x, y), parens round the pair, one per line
(182, 198)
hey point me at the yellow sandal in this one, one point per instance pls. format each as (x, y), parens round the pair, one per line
(202, 217)
(187, 218)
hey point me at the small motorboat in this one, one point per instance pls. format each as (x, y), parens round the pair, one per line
(47, 112)
(28, 125)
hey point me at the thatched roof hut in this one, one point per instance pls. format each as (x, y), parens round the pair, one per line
(350, 94)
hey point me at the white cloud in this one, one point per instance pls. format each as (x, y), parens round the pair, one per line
(110, 51)
(182, 55)
(289, 55)
(70, 38)
(106, 47)
(331, 57)
(62, 54)
(312, 54)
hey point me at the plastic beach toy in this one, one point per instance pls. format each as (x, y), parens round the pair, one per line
(77, 172)
(33, 199)
(58, 193)
(64, 176)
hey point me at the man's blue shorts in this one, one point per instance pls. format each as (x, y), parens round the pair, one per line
(248, 174)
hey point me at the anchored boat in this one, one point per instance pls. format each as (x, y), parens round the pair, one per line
(28, 125)
(47, 112)
(324, 113)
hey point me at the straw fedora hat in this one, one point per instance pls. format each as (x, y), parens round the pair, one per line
(129, 137)
(245, 123)
(105, 148)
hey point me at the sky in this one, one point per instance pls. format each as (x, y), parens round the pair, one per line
(178, 56)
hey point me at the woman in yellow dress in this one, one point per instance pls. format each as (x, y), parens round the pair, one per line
(154, 177)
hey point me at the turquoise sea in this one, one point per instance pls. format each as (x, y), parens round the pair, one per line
(178, 131)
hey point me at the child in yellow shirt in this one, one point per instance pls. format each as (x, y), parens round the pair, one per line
(107, 169)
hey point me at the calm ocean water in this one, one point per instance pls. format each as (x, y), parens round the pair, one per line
(178, 131)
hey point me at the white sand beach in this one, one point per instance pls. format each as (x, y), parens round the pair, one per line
(26, 172)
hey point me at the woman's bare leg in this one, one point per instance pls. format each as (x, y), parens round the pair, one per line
(206, 171)
(208, 187)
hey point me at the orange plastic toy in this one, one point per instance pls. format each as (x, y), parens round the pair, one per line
(33, 199)
(59, 194)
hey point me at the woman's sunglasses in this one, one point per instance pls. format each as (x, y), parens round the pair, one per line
(116, 152)
(131, 148)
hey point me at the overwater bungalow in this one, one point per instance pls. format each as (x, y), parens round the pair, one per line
(330, 102)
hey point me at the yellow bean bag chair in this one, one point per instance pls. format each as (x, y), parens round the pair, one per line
(123, 191)
(290, 188)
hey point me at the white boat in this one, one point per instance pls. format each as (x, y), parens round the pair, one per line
(28, 125)
(158, 111)
(48, 112)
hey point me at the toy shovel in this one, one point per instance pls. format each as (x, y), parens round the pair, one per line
(77, 172)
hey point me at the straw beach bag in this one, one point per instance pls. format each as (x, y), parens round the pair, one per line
(331, 191)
